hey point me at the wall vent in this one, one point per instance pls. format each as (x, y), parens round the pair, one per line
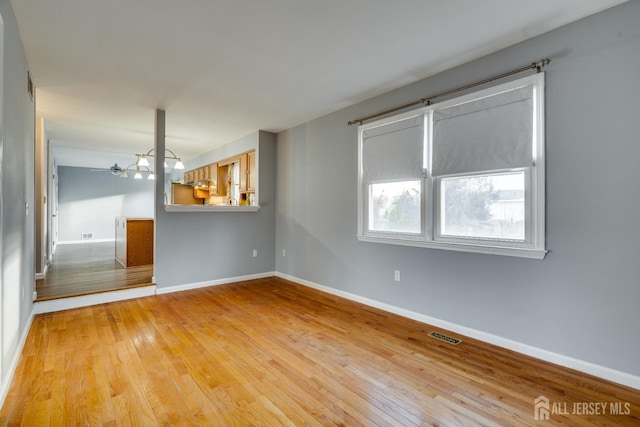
(87, 236)
(445, 338)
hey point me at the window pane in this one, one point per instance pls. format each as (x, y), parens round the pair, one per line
(484, 206)
(395, 207)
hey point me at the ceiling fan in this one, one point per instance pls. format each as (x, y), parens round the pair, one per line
(115, 170)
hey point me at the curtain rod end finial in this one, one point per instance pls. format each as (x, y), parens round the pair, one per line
(540, 64)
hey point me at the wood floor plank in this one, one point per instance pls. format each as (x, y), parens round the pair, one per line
(86, 268)
(270, 352)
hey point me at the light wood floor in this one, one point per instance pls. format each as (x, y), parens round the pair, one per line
(86, 268)
(270, 352)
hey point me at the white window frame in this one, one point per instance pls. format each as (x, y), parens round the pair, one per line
(397, 234)
(533, 246)
(524, 243)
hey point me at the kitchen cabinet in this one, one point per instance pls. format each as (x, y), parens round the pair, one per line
(218, 179)
(244, 171)
(202, 174)
(196, 175)
(213, 178)
(247, 172)
(251, 173)
(225, 175)
(134, 241)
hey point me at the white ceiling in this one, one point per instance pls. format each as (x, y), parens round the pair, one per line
(224, 68)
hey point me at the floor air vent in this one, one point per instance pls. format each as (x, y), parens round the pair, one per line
(87, 236)
(441, 337)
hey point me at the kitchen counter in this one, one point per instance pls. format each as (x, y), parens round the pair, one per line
(210, 208)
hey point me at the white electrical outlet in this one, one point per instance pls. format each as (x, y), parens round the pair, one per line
(284, 252)
(255, 253)
(396, 275)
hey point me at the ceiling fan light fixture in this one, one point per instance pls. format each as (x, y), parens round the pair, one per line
(142, 161)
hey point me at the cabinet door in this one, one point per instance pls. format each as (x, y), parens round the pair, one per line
(244, 173)
(251, 171)
(213, 178)
(139, 242)
(223, 176)
(188, 177)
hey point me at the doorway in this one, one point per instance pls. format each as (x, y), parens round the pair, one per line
(85, 203)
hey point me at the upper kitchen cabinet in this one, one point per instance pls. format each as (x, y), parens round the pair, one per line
(250, 172)
(248, 175)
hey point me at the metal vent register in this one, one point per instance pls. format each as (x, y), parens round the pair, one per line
(445, 338)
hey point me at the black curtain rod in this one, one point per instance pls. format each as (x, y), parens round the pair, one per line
(427, 101)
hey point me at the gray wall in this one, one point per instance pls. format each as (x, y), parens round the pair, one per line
(17, 178)
(193, 247)
(582, 300)
(246, 143)
(88, 202)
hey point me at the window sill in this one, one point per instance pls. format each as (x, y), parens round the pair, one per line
(491, 250)
(210, 208)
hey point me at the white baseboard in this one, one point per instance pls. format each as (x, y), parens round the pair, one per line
(4, 390)
(217, 282)
(548, 356)
(60, 304)
(43, 275)
(73, 242)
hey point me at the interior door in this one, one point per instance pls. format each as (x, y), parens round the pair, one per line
(53, 231)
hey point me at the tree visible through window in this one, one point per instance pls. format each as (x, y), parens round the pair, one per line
(488, 206)
(396, 207)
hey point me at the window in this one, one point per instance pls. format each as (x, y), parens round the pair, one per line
(487, 206)
(465, 174)
(395, 207)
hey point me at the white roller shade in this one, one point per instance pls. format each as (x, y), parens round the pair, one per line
(486, 134)
(393, 151)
